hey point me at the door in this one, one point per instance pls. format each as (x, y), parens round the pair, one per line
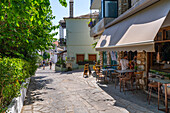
(80, 57)
(92, 57)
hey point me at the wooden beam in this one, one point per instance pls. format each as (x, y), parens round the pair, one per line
(147, 67)
(162, 41)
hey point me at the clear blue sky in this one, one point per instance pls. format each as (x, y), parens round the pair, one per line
(81, 7)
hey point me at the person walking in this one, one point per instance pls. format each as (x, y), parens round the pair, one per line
(51, 64)
(43, 64)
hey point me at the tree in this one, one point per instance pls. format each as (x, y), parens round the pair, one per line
(25, 27)
(46, 56)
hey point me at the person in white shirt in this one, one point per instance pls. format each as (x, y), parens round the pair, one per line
(124, 63)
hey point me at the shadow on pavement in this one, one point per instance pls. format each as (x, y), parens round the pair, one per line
(138, 97)
(34, 90)
(45, 72)
(70, 72)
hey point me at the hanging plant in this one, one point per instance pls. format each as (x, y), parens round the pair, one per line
(90, 23)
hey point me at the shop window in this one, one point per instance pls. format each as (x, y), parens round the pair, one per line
(161, 58)
(168, 35)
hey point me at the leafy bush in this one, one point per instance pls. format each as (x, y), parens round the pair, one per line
(39, 59)
(61, 62)
(13, 73)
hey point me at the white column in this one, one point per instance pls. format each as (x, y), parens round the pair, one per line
(61, 31)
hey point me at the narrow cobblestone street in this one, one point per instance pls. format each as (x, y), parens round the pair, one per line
(51, 92)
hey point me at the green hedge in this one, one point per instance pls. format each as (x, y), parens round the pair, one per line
(13, 72)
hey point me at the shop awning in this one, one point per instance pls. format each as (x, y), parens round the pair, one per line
(59, 49)
(136, 32)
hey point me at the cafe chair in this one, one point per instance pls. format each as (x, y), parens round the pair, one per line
(100, 76)
(127, 79)
(138, 77)
(114, 76)
(152, 85)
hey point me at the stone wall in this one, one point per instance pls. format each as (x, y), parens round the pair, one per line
(123, 6)
(141, 60)
(101, 57)
(108, 58)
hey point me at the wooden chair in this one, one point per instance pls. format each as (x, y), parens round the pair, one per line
(100, 75)
(114, 75)
(86, 70)
(138, 77)
(152, 85)
(127, 79)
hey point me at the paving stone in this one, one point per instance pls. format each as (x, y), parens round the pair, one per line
(36, 112)
(51, 92)
(26, 111)
(28, 107)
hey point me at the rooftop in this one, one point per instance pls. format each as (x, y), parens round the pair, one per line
(86, 16)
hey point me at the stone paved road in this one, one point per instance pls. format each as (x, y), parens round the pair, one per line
(51, 92)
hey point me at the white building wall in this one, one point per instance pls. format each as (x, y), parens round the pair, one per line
(78, 38)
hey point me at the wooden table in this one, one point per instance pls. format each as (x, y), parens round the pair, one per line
(104, 69)
(111, 69)
(125, 71)
(162, 81)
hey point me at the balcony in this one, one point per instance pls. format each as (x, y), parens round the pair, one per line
(98, 25)
(62, 42)
(95, 4)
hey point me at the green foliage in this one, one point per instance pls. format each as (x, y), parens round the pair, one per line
(63, 3)
(13, 73)
(94, 45)
(46, 56)
(39, 59)
(26, 26)
(60, 61)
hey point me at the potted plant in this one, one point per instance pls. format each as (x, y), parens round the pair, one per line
(90, 23)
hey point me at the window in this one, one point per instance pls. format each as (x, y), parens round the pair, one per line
(168, 35)
(109, 8)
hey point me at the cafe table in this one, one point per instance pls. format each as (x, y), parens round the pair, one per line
(98, 65)
(125, 71)
(165, 82)
(104, 69)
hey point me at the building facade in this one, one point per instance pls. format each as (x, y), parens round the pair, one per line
(141, 30)
(79, 42)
